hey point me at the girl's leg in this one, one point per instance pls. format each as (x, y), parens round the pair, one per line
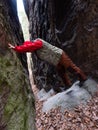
(77, 71)
(68, 64)
(63, 75)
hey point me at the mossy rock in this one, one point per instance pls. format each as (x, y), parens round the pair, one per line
(16, 97)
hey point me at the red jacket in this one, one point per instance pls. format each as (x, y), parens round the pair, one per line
(29, 46)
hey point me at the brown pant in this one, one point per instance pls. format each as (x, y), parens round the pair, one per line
(65, 64)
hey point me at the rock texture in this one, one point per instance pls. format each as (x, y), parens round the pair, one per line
(70, 25)
(16, 98)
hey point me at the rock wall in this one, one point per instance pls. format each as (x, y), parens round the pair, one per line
(70, 25)
(17, 109)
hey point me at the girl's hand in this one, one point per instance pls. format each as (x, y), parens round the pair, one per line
(11, 46)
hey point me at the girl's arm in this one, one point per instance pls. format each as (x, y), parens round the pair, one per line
(27, 46)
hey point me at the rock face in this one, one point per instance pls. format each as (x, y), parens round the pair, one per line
(70, 25)
(16, 98)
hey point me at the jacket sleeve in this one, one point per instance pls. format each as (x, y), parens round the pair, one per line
(29, 46)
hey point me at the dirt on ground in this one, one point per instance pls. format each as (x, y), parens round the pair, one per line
(83, 117)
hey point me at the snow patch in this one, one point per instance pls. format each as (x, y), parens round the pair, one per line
(43, 95)
(72, 97)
